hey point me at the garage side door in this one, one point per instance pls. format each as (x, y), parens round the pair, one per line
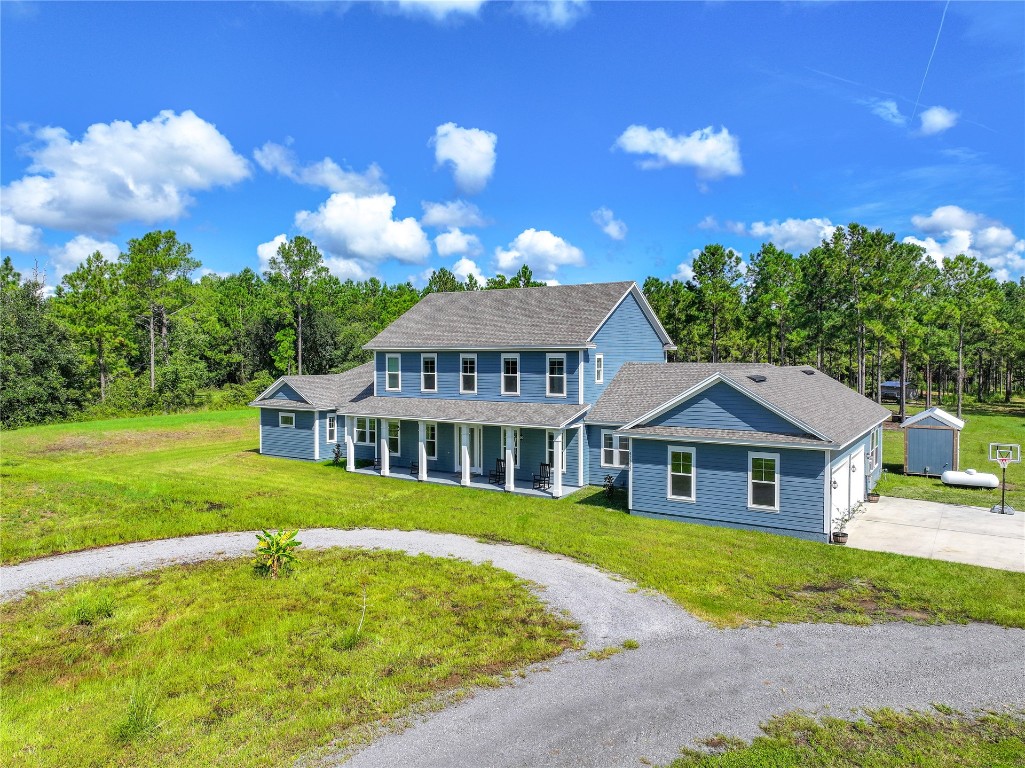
(840, 493)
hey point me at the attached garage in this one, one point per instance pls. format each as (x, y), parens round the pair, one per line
(932, 443)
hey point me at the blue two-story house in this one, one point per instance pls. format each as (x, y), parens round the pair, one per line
(569, 384)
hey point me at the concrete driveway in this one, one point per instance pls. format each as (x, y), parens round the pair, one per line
(941, 531)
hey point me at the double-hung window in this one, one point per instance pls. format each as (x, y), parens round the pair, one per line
(599, 368)
(286, 420)
(468, 374)
(615, 449)
(332, 429)
(394, 438)
(556, 376)
(551, 449)
(366, 430)
(393, 373)
(511, 374)
(681, 474)
(515, 444)
(431, 439)
(763, 481)
(428, 373)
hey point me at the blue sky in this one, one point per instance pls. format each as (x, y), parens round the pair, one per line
(594, 141)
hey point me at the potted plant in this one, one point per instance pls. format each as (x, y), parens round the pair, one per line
(840, 534)
(873, 497)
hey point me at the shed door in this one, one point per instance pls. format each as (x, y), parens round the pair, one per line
(840, 484)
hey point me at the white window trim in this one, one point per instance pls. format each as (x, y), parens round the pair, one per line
(550, 433)
(873, 451)
(548, 375)
(428, 356)
(616, 447)
(517, 447)
(671, 449)
(751, 456)
(387, 359)
(599, 368)
(328, 428)
(283, 414)
(427, 426)
(501, 373)
(367, 422)
(398, 436)
(468, 356)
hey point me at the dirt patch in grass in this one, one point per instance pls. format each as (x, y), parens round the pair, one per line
(859, 597)
(130, 440)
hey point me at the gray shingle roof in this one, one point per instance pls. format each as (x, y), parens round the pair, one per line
(562, 315)
(823, 404)
(473, 411)
(326, 391)
(686, 433)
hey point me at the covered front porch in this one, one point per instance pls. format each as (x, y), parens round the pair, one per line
(477, 482)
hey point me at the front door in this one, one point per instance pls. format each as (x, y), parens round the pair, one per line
(474, 445)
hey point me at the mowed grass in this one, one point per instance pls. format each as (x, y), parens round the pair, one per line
(884, 739)
(69, 487)
(213, 665)
(983, 425)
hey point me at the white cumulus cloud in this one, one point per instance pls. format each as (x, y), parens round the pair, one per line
(950, 230)
(276, 158)
(713, 154)
(609, 224)
(555, 14)
(362, 228)
(15, 236)
(794, 235)
(455, 242)
(118, 172)
(937, 120)
(440, 10)
(266, 251)
(466, 267)
(455, 213)
(67, 257)
(539, 249)
(470, 151)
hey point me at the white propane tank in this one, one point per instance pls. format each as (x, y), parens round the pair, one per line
(970, 478)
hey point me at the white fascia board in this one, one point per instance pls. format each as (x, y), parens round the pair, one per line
(642, 301)
(683, 440)
(937, 413)
(271, 389)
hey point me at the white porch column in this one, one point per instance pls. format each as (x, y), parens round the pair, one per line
(421, 453)
(464, 454)
(350, 447)
(557, 464)
(382, 434)
(510, 461)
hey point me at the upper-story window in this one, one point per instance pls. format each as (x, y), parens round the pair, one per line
(599, 368)
(393, 373)
(511, 374)
(428, 373)
(468, 374)
(556, 376)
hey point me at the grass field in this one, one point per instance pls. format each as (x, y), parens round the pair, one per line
(983, 425)
(69, 487)
(884, 739)
(212, 665)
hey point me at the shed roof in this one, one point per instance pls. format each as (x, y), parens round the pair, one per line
(937, 413)
(552, 316)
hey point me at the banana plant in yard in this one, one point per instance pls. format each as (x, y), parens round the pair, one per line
(275, 552)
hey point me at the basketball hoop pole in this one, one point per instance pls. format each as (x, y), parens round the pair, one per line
(1003, 487)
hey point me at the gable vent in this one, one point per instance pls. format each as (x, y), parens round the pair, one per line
(807, 371)
(757, 378)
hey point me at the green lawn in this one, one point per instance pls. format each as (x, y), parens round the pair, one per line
(212, 665)
(885, 739)
(69, 487)
(983, 425)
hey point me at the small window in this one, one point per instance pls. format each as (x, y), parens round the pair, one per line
(763, 481)
(394, 438)
(393, 373)
(366, 431)
(332, 429)
(681, 474)
(551, 449)
(556, 376)
(873, 453)
(468, 374)
(428, 373)
(510, 374)
(431, 440)
(615, 449)
(286, 420)
(515, 442)
(599, 369)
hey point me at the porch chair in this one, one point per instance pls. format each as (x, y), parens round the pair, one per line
(414, 470)
(496, 476)
(543, 480)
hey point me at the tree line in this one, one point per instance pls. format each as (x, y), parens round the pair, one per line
(141, 334)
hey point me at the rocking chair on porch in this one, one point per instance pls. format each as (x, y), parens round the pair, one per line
(496, 476)
(543, 480)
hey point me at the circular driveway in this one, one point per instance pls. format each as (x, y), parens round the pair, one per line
(687, 680)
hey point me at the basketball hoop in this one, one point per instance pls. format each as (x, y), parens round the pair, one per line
(1004, 454)
(1003, 461)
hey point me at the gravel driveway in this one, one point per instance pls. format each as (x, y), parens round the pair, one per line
(687, 679)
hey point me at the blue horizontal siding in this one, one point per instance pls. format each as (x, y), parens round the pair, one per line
(626, 336)
(291, 443)
(327, 449)
(595, 471)
(286, 392)
(723, 407)
(533, 377)
(721, 473)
